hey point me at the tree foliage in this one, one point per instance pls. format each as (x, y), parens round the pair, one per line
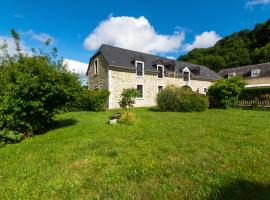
(128, 98)
(32, 88)
(238, 49)
(181, 100)
(225, 92)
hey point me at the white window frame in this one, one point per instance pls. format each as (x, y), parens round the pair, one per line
(231, 74)
(255, 72)
(162, 71)
(205, 88)
(140, 98)
(160, 86)
(186, 70)
(96, 68)
(136, 62)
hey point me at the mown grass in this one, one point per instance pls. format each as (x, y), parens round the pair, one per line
(217, 154)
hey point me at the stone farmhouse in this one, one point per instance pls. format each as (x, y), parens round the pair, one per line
(115, 69)
(255, 75)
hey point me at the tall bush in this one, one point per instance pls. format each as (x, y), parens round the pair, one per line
(128, 98)
(225, 92)
(181, 100)
(32, 89)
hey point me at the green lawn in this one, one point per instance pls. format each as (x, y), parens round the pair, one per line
(218, 154)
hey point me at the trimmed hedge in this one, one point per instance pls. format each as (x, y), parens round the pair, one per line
(181, 100)
(255, 93)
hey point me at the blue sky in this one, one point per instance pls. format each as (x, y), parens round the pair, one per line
(168, 28)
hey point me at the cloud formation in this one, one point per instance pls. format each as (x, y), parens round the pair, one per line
(251, 3)
(77, 67)
(11, 45)
(204, 40)
(133, 33)
(41, 37)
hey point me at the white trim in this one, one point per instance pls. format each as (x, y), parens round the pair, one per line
(258, 85)
(186, 69)
(110, 86)
(162, 71)
(140, 98)
(142, 68)
(96, 67)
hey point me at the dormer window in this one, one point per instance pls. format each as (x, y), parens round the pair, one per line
(232, 74)
(96, 66)
(186, 74)
(160, 69)
(139, 68)
(255, 72)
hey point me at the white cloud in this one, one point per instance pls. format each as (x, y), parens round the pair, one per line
(11, 45)
(77, 67)
(133, 33)
(41, 37)
(251, 3)
(204, 40)
(171, 57)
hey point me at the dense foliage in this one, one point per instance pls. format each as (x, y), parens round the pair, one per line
(32, 89)
(239, 49)
(225, 92)
(181, 100)
(261, 93)
(128, 98)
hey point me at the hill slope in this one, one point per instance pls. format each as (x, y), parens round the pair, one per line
(238, 49)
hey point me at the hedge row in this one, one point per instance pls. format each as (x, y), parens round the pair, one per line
(255, 93)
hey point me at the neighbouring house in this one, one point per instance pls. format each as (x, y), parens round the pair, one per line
(115, 69)
(255, 75)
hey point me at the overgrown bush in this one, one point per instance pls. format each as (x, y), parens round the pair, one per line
(8, 136)
(181, 100)
(128, 118)
(32, 90)
(225, 92)
(98, 99)
(128, 98)
(261, 93)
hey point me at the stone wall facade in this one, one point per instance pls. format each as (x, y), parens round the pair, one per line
(119, 80)
(99, 80)
(257, 80)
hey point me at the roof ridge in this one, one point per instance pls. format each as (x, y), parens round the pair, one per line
(244, 66)
(138, 52)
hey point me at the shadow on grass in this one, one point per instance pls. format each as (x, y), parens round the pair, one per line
(153, 109)
(58, 124)
(242, 190)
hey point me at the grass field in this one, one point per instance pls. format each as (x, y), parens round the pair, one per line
(218, 154)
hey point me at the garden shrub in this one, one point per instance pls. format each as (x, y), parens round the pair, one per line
(225, 92)
(97, 100)
(32, 89)
(128, 98)
(8, 136)
(181, 100)
(261, 93)
(128, 118)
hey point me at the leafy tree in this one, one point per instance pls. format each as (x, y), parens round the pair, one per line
(225, 92)
(32, 89)
(238, 49)
(128, 98)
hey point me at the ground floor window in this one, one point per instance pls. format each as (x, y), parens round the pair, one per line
(140, 91)
(198, 90)
(160, 88)
(205, 89)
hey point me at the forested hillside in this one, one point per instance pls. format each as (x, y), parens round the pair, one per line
(238, 49)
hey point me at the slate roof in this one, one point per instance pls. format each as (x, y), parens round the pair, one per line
(245, 71)
(124, 58)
